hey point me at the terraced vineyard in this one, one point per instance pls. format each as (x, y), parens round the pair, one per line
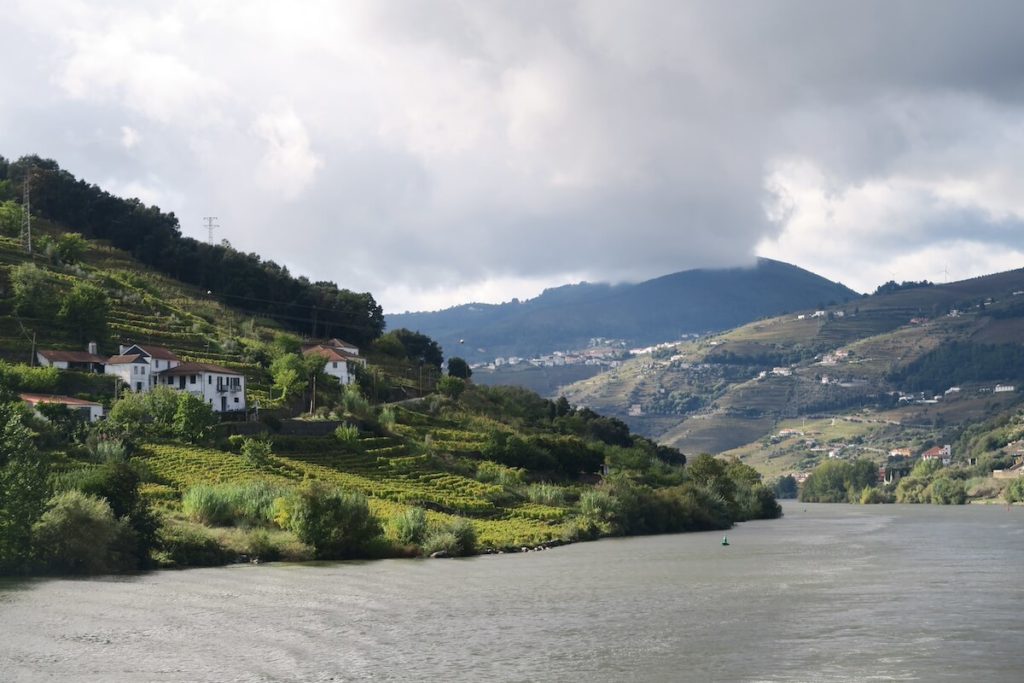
(388, 470)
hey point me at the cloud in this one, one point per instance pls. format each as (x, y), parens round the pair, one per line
(438, 152)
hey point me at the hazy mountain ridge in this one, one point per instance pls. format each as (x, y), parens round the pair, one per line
(735, 389)
(661, 309)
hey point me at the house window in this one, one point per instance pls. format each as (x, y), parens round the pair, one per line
(236, 399)
(209, 380)
(334, 364)
(191, 379)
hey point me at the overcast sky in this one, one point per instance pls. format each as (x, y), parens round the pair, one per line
(435, 153)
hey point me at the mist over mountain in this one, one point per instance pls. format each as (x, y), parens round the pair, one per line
(662, 309)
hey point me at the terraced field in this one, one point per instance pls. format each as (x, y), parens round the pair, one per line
(385, 469)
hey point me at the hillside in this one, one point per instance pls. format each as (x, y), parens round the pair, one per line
(662, 309)
(398, 463)
(866, 372)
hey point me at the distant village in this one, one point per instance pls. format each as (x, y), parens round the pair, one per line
(600, 351)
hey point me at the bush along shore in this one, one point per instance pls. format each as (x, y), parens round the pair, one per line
(470, 470)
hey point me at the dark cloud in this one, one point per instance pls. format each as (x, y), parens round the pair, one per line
(430, 152)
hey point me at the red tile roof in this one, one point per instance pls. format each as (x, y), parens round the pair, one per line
(331, 354)
(156, 351)
(71, 356)
(52, 398)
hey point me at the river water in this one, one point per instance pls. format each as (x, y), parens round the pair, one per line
(828, 593)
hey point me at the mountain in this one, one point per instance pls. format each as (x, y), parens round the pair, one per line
(662, 309)
(865, 377)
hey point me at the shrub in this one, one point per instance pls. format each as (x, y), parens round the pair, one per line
(409, 526)
(450, 386)
(208, 505)
(354, 401)
(944, 491)
(493, 473)
(598, 506)
(257, 452)
(387, 418)
(336, 523)
(441, 541)
(1015, 491)
(189, 546)
(457, 539)
(109, 451)
(250, 502)
(546, 494)
(347, 434)
(78, 534)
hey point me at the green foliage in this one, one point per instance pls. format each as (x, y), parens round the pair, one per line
(336, 523)
(957, 362)
(194, 420)
(27, 378)
(786, 487)
(11, 218)
(458, 367)
(347, 434)
(945, 491)
(288, 373)
(416, 347)
(451, 386)
(457, 539)
(493, 473)
(546, 494)
(354, 401)
(1014, 493)
(69, 247)
(839, 481)
(250, 502)
(84, 311)
(408, 527)
(189, 546)
(78, 534)
(257, 452)
(34, 295)
(386, 418)
(24, 490)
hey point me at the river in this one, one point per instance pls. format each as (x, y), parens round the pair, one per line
(827, 593)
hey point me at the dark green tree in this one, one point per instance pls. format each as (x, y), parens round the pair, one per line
(84, 311)
(24, 490)
(458, 367)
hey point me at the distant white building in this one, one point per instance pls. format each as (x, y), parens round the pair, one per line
(337, 359)
(90, 409)
(1004, 388)
(221, 388)
(137, 365)
(85, 361)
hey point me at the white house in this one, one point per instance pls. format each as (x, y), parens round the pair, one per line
(132, 369)
(90, 409)
(336, 361)
(137, 365)
(86, 361)
(221, 388)
(1004, 388)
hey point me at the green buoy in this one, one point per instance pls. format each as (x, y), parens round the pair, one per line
(725, 540)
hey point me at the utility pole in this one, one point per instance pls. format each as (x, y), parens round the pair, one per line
(210, 223)
(26, 205)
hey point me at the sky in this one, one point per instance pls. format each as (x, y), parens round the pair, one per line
(436, 153)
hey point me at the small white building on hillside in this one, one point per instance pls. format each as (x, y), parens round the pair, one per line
(90, 409)
(336, 361)
(137, 365)
(221, 388)
(85, 361)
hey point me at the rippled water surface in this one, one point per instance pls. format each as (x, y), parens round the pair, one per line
(827, 593)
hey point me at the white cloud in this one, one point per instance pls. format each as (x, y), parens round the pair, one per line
(129, 137)
(288, 164)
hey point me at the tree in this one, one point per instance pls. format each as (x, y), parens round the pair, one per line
(77, 534)
(452, 387)
(417, 347)
(84, 310)
(33, 292)
(69, 248)
(458, 367)
(194, 420)
(287, 372)
(24, 489)
(11, 217)
(336, 523)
